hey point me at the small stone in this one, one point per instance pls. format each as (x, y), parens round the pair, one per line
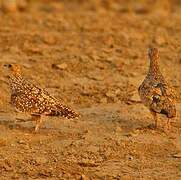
(41, 160)
(83, 177)
(110, 94)
(134, 133)
(178, 155)
(9, 5)
(117, 91)
(49, 40)
(62, 66)
(21, 142)
(22, 4)
(3, 142)
(135, 97)
(95, 76)
(160, 40)
(103, 100)
(26, 65)
(118, 129)
(14, 49)
(129, 157)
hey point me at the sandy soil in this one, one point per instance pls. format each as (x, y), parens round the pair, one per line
(93, 55)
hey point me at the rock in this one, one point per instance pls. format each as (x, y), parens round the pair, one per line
(118, 129)
(14, 49)
(161, 36)
(84, 177)
(93, 149)
(103, 100)
(49, 40)
(117, 91)
(95, 76)
(139, 9)
(135, 133)
(129, 157)
(3, 142)
(26, 65)
(135, 97)
(41, 160)
(21, 142)
(62, 66)
(178, 155)
(136, 81)
(160, 40)
(9, 5)
(178, 105)
(22, 4)
(111, 94)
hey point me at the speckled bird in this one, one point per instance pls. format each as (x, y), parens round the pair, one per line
(28, 98)
(155, 93)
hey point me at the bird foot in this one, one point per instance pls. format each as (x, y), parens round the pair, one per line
(36, 129)
(167, 126)
(38, 120)
(152, 126)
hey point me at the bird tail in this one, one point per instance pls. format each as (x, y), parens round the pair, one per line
(66, 112)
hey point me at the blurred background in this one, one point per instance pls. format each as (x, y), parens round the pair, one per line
(76, 48)
(91, 54)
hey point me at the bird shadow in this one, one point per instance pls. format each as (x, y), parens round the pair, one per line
(25, 125)
(12, 124)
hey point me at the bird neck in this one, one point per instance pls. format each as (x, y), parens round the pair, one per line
(154, 66)
(14, 82)
(14, 77)
(16, 74)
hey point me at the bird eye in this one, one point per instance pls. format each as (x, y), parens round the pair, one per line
(9, 65)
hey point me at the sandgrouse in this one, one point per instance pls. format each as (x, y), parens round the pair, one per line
(29, 98)
(154, 91)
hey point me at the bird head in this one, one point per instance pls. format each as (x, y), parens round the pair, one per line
(14, 69)
(153, 53)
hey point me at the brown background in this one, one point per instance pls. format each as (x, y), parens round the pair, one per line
(92, 54)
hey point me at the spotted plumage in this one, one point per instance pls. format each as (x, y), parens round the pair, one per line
(27, 97)
(155, 93)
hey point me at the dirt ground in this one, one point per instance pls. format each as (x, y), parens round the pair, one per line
(93, 55)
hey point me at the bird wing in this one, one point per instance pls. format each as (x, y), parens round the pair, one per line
(36, 100)
(162, 99)
(164, 90)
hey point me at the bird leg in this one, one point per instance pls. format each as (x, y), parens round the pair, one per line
(155, 118)
(38, 120)
(168, 125)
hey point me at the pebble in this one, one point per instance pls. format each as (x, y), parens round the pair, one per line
(3, 142)
(62, 66)
(103, 100)
(178, 155)
(129, 157)
(111, 94)
(160, 40)
(9, 5)
(21, 142)
(49, 40)
(135, 97)
(22, 4)
(95, 76)
(41, 160)
(84, 177)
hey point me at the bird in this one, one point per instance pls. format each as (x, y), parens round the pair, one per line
(155, 93)
(29, 98)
